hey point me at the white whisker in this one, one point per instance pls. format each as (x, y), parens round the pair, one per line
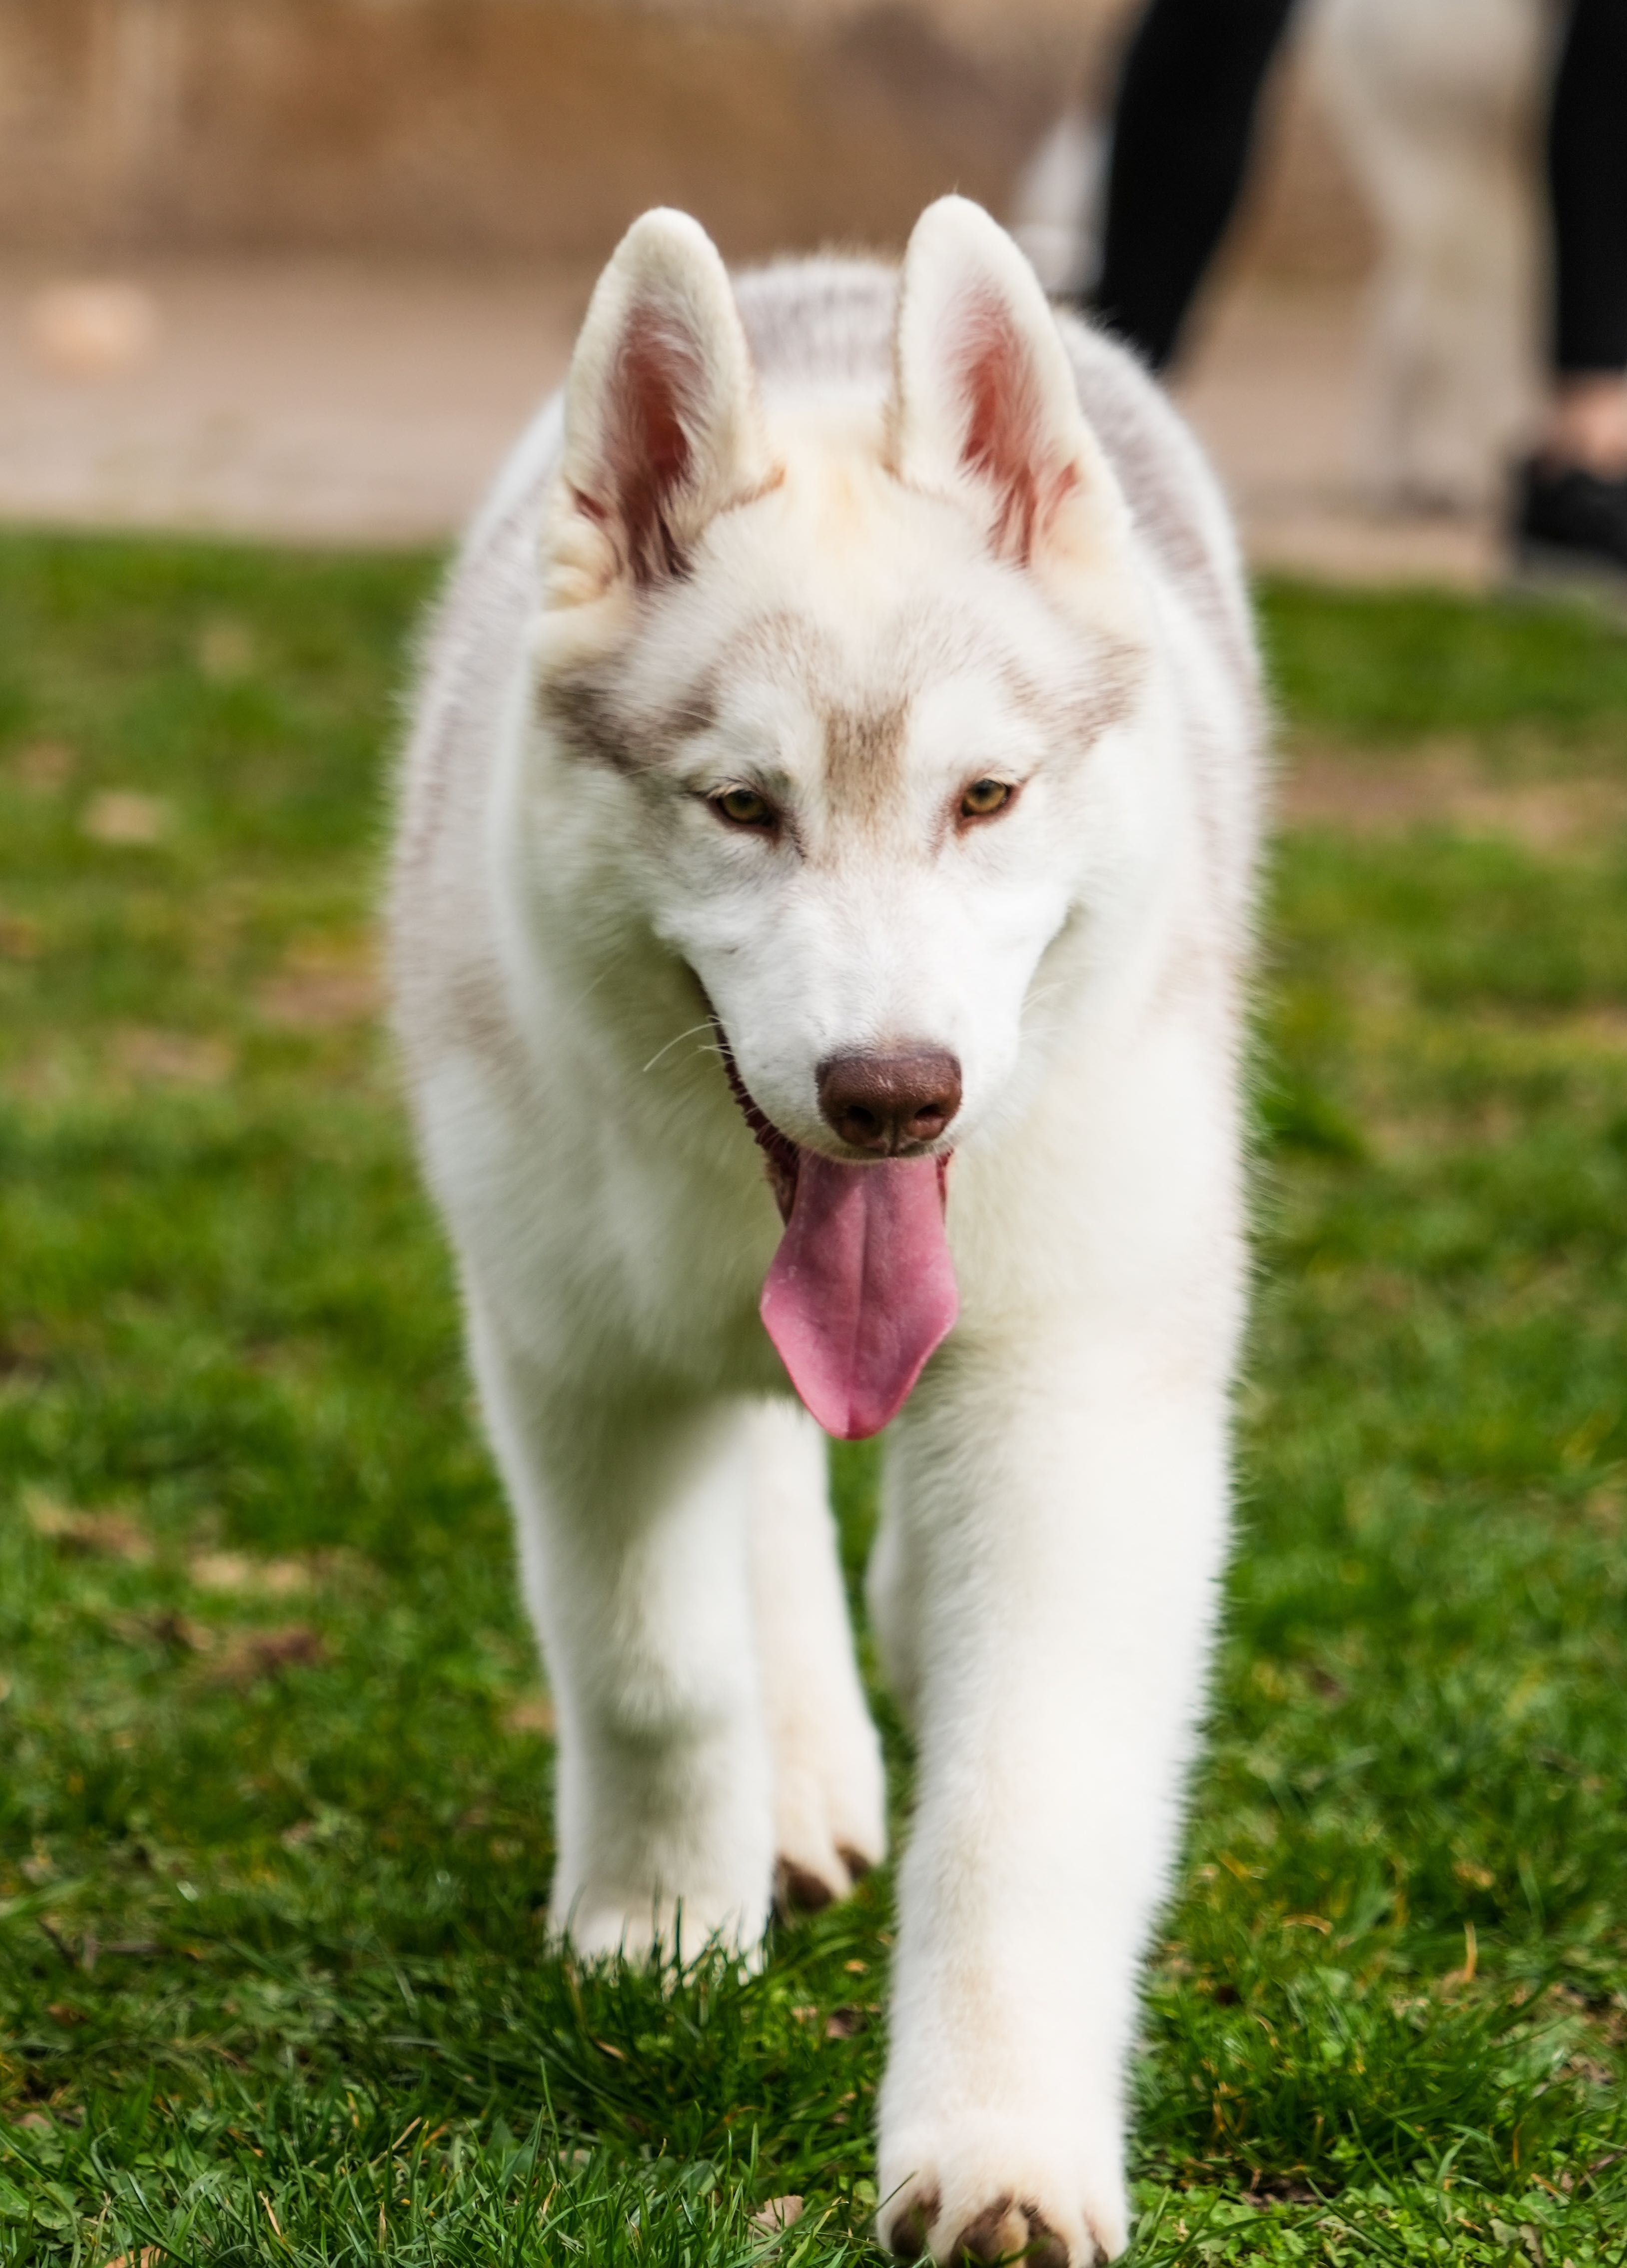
(676, 1041)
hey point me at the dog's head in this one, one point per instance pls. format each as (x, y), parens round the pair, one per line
(841, 665)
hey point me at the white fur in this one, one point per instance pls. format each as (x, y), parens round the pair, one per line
(1050, 596)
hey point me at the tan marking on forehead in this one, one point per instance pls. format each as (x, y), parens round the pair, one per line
(1070, 711)
(774, 640)
(863, 757)
(600, 720)
(1102, 694)
(588, 712)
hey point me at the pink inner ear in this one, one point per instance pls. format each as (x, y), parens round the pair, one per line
(650, 455)
(1005, 439)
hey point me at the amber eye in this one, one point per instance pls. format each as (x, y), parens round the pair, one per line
(742, 806)
(985, 797)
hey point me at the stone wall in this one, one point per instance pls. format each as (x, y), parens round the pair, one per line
(494, 125)
(498, 126)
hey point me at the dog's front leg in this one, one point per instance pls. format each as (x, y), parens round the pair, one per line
(1066, 1527)
(830, 1790)
(633, 1518)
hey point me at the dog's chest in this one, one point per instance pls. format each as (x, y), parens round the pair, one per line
(641, 1239)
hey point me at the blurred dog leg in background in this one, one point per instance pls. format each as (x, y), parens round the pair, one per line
(1438, 108)
(1437, 104)
(1056, 208)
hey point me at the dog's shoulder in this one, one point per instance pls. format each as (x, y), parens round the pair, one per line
(1185, 532)
(469, 664)
(1174, 497)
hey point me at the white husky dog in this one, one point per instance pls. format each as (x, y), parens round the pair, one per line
(825, 866)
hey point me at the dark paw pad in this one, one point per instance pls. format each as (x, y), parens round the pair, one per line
(907, 2239)
(1001, 2233)
(796, 1891)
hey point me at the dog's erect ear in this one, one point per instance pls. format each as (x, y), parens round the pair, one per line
(663, 426)
(984, 404)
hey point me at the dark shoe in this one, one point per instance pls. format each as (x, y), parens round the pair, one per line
(1570, 529)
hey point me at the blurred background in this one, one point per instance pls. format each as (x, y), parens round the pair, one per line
(300, 267)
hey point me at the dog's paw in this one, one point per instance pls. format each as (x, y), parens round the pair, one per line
(597, 1928)
(830, 1824)
(975, 2206)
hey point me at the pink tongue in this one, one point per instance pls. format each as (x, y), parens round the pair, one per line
(863, 1288)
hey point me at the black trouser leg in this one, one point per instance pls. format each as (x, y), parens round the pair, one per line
(1181, 132)
(1587, 183)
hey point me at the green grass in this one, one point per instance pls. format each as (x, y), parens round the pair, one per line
(273, 1821)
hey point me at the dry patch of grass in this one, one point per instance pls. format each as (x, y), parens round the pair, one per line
(1450, 787)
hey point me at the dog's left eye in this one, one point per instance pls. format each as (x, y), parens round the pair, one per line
(742, 806)
(985, 797)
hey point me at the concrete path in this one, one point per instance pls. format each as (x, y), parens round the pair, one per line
(324, 401)
(295, 399)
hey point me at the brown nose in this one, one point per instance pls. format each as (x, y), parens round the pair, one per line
(887, 1102)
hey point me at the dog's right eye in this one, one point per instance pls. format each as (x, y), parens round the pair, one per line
(985, 798)
(742, 806)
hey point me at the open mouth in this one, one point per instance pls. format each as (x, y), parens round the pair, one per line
(861, 1291)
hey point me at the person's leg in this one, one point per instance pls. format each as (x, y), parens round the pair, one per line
(1182, 126)
(1587, 182)
(1570, 510)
